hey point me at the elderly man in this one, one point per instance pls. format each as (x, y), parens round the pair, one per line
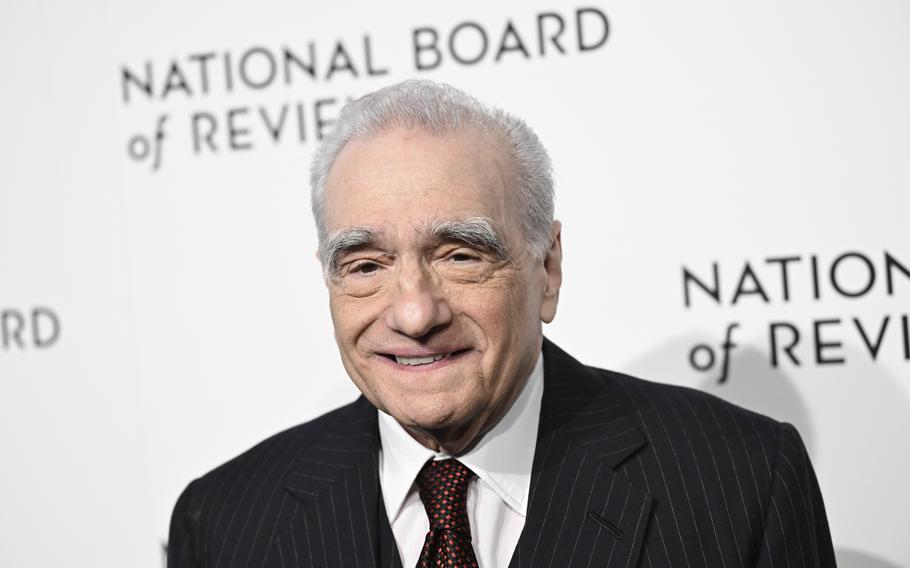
(477, 442)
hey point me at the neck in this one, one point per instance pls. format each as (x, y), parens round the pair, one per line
(453, 441)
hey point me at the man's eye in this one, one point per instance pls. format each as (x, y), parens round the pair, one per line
(365, 268)
(462, 257)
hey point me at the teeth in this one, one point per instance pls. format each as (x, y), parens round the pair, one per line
(419, 360)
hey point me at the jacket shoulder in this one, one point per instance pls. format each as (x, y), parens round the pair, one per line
(217, 506)
(277, 450)
(662, 406)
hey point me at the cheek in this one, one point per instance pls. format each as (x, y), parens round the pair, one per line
(350, 317)
(504, 314)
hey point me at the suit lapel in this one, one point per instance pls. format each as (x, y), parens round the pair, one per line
(581, 512)
(337, 516)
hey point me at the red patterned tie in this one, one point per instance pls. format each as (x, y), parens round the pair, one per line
(443, 486)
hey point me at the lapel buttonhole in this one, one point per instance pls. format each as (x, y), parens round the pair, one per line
(617, 532)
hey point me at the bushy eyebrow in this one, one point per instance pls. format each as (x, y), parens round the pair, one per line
(342, 241)
(476, 232)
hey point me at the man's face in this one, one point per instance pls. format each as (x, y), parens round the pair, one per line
(435, 328)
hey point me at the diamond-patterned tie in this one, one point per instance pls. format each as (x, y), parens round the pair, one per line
(443, 486)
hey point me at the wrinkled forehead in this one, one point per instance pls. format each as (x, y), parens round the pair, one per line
(410, 179)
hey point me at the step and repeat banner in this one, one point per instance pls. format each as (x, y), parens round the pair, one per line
(733, 181)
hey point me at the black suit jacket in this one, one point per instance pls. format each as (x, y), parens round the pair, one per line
(626, 473)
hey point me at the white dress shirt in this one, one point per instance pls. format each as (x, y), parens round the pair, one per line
(497, 497)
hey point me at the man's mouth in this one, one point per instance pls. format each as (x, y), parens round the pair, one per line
(424, 359)
(412, 361)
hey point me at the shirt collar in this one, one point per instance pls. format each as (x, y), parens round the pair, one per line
(502, 458)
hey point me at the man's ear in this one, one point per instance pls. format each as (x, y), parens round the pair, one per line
(552, 265)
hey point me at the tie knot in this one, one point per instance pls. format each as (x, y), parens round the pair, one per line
(443, 486)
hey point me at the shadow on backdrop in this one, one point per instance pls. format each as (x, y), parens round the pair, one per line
(848, 558)
(869, 395)
(757, 386)
(751, 384)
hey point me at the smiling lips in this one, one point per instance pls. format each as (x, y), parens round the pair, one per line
(420, 360)
(412, 361)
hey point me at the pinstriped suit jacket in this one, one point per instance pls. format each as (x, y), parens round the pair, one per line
(626, 473)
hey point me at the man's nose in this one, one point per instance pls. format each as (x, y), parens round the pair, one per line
(418, 303)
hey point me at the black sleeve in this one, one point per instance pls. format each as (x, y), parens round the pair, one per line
(181, 540)
(795, 530)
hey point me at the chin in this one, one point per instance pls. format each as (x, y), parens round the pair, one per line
(430, 413)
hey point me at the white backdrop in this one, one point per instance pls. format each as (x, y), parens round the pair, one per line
(153, 289)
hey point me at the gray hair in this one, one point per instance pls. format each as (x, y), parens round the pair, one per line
(437, 108)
